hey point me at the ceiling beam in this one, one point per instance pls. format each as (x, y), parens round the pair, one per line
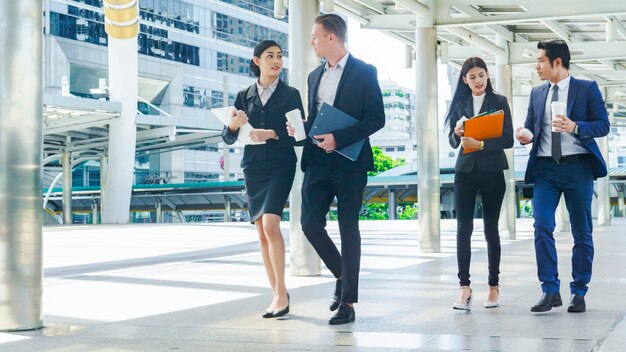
(477, 40)
(391, 22)
(471, 11)
(536, 10)
(589, 74)
(373, 5)
(354, 10)
(590, 51)
(558, 29)
(414, 6)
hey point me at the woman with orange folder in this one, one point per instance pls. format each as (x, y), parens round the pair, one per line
(268, 168)
(479, 171)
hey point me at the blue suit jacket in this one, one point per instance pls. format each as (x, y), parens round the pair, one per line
(584, 106)
(358, 95)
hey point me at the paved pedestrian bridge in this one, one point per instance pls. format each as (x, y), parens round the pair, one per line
(202, 287)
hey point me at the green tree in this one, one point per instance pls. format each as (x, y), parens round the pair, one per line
(382, 162)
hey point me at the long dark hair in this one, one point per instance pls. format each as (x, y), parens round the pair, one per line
(258, 51)
(463, 90)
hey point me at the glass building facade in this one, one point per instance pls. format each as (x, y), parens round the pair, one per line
(186, 51)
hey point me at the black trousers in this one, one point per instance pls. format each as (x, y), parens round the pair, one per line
(492, 187)
(322, 183)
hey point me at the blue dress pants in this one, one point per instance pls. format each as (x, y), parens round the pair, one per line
(575, 182)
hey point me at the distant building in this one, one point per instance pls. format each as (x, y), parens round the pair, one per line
(186, 50)
(397, 138)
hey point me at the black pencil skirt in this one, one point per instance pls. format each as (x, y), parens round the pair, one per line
(268, 189)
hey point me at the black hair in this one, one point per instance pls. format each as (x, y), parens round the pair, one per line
(258, 51)
(334, 24)
(463, 90)
(556, 48)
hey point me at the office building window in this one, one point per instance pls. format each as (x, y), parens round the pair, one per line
(241, 66)
(172, 13)
(241, 32)
(205, 98)
(89, 28)
(263, 7)
(154, 42)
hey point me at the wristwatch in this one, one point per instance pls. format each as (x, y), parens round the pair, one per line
(575, 130)
(482, 145)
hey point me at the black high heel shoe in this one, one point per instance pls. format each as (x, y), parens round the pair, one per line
(268, 314)
(280, 313)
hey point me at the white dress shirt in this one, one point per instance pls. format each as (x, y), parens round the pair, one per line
(327, 90)
(266, 92)
(570, 145)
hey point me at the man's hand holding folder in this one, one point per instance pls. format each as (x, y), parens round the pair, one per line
(485, 126)
(331, 119)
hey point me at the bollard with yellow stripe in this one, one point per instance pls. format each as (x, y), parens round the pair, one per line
(121, 18)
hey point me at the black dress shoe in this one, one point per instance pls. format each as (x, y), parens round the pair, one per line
(334, 302)
(280, 313)
(547, 301)
(277, 313)
(345, 314)
(268, 314)
(577, 304)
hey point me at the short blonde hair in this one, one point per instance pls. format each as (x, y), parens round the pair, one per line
(334, 24)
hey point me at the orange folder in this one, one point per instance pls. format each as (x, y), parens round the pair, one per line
(482, 127)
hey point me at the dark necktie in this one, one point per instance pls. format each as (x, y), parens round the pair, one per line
(556, 136)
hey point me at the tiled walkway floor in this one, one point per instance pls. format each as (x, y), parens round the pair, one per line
(203, 288)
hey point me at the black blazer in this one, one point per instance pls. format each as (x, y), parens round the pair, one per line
(492, 158)
(272, 117)
(358, 95)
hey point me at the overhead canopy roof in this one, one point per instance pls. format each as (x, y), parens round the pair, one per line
(469, 28)
(81, 126)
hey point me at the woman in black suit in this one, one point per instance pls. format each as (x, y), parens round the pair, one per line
(268, 168)
(478, 171)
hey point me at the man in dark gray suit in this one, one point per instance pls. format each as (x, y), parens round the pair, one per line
(351, 86)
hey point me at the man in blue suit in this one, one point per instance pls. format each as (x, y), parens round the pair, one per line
(564, 159)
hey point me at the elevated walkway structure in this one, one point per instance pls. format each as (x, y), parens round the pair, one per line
(81, 126)
(212, 195)
(202, 287)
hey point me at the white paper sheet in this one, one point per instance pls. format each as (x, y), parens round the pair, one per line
(295, 119)
(224, 115)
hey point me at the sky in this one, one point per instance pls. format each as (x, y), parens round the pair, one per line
(382, 51)
(388, 55)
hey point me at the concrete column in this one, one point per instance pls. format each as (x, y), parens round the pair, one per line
(122, 26)
(391, 204)
(620, 201)
(94, 212)
(604, 198)
(103, 180)
(20, 165)
(226, 148)
(227, 206)
(304, 261)
(428, 190)
(159, 211)
(504, 85)
(67, 187)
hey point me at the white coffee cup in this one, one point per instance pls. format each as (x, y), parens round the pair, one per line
(557, 108)
(295, 119)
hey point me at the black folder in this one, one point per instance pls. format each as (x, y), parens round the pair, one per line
(331, 119)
